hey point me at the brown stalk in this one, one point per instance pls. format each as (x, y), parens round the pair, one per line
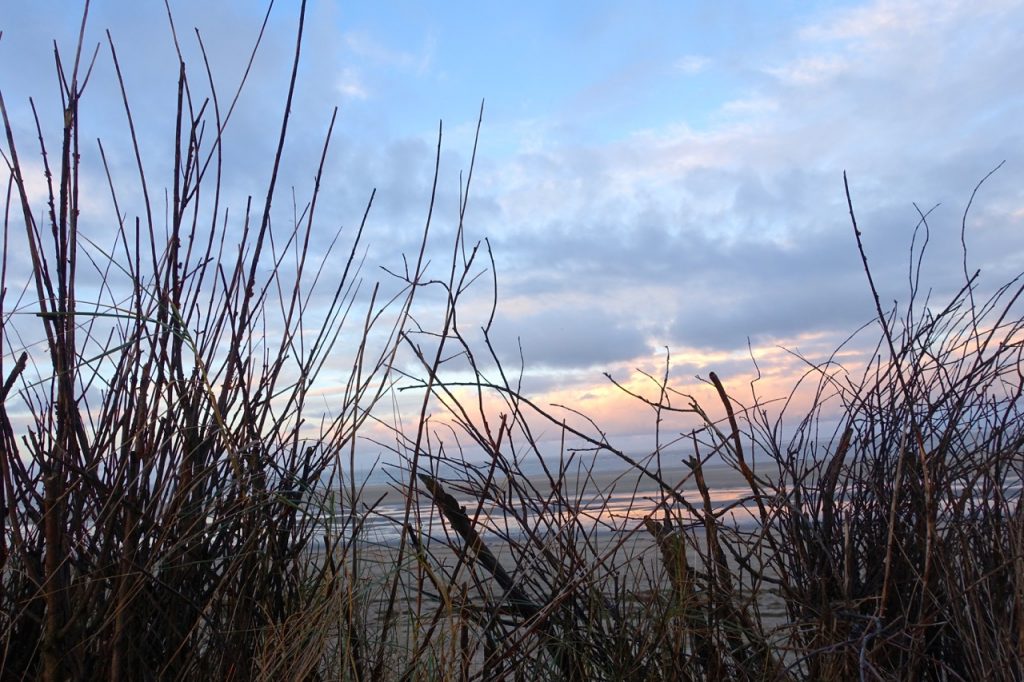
(476, 548)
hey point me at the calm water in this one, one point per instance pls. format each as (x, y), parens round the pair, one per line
(607, 504)
(603, 506)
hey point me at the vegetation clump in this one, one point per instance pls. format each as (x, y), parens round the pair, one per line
(169, 512)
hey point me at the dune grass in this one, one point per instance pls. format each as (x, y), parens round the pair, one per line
(169, 512)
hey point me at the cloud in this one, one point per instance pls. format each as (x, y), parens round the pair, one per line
(747, 106)
(568, 337)
(691, 64)
(691, 229)
(350, 84)
(882, 23)
(363, 44)
(810, 71)
(704, 237)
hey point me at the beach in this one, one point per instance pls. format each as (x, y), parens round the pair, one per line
(599, 545)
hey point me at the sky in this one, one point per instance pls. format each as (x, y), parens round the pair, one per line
(650, 175)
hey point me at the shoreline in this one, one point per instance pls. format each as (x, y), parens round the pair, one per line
(604, 502)
(605, 480)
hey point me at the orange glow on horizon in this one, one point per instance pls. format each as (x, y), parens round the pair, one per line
(585, 400)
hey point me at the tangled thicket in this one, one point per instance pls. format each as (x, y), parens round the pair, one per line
(166, 515)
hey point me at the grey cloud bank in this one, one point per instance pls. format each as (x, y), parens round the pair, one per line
(745, 224)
